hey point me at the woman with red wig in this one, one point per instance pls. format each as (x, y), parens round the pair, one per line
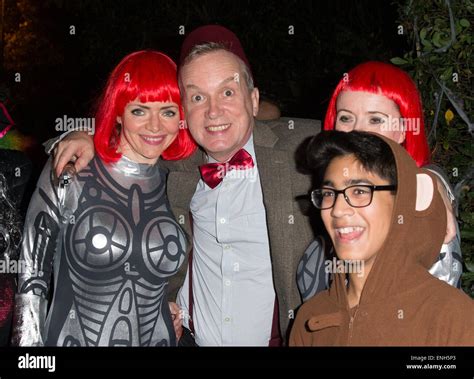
(108, 236)
(381, 98)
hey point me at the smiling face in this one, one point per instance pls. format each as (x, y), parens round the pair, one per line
(368, 112)
(218, 105)
(356, 233)
(147, 130)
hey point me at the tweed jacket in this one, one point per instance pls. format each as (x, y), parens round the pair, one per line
(288, 223)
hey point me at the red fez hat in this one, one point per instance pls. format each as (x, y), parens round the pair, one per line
(213, 33)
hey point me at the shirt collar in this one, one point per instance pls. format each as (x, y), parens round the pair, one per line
(249, 147)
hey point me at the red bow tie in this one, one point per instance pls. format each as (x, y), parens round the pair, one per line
(213, 173)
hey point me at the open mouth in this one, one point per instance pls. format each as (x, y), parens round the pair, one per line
(217, 128)
(153, 140)
(349, 233)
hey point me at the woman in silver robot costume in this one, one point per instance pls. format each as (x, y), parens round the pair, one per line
(108, 236)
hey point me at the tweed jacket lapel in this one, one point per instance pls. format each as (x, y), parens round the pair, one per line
(275, 176)
(182, 181)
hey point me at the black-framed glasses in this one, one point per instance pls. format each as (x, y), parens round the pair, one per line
(357, 196)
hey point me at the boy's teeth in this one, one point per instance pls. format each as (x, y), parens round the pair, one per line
(218, 128)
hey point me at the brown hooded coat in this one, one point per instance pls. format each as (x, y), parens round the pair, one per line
(401, 303)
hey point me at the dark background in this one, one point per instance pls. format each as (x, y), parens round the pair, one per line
(62, 73)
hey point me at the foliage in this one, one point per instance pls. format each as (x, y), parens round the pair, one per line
(26, 34)
(440, 33)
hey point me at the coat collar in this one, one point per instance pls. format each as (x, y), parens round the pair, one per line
(263, 135)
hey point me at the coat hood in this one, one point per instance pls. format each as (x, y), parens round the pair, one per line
(416, 233)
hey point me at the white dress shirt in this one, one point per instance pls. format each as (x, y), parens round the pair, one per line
(232, 272)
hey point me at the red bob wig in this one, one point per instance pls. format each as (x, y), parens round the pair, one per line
(149, 76)
(389, 81)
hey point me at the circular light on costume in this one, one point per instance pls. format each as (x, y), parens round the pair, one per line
(99, 241)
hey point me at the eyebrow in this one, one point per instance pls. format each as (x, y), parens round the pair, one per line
(192, 86)
(229, 79)
(225, 81)
(349, 182)
(345, 110)
(369, 112)
(373, 112)
(146, 107)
